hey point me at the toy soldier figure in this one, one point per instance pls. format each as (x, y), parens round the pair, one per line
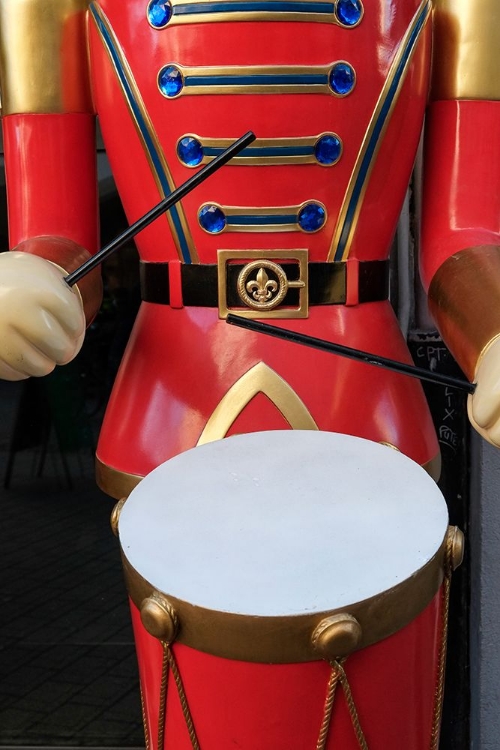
(295, 230)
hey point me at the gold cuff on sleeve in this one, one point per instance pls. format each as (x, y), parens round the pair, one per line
(69, 255)
(466, 45)
(43, 57)
(464, 299)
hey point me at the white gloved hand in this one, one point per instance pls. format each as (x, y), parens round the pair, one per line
(483, 405)
(42, 323)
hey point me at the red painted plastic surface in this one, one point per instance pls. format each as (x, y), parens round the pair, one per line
(180, 363)
(461, 206)
(280, 707)
(51, 177)
(161, 401)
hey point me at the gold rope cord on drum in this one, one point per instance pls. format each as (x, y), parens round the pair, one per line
(438, 701)
(144, 720)
(338, 675)
(327, 713)
(163, 697)
(169, 661)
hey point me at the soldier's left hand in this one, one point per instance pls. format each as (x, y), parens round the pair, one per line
(483, 406)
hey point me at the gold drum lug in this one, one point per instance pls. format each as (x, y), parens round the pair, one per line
(457, 540)
(336, 636)
(115, 515)
(159, 617)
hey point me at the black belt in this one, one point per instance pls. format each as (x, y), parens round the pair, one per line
(327, 283)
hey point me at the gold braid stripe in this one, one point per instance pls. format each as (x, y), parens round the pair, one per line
(144, 720)
(170, 659)
(381, 116)
(146, 133)
(439, 695)
(338, 675)
(163, 699)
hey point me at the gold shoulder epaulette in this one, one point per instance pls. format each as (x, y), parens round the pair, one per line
(43, 56)
(466, 49)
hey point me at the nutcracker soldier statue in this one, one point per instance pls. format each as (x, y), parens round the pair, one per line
(295, 230)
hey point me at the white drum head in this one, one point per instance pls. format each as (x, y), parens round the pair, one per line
(283, 523)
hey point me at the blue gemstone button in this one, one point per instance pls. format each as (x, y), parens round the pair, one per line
(349, 12)
(170, 81)
(311, 217)
(328, 149)
(342, 78)
(212, 219)
(190, 151)
(159, 13)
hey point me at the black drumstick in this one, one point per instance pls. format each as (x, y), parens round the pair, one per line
(346, 351)
(161, 207)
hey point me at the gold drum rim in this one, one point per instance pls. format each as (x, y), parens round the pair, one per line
(289, 638)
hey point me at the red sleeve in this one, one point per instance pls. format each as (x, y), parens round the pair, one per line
(461, 190)
(460, 239)
(51, 181)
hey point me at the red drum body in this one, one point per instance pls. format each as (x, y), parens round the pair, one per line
(282, 706)
(289, 591)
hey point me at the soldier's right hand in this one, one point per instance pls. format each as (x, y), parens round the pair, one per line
(42, 323)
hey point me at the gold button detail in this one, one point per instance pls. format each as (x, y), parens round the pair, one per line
(336, 636)
(159, 617)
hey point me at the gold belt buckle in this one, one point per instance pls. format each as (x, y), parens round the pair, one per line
(262, 283)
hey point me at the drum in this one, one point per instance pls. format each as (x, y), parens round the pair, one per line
(289, 592)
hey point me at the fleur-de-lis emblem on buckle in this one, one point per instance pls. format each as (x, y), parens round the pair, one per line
(262, 284)
(262, 292)
(262, 288)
